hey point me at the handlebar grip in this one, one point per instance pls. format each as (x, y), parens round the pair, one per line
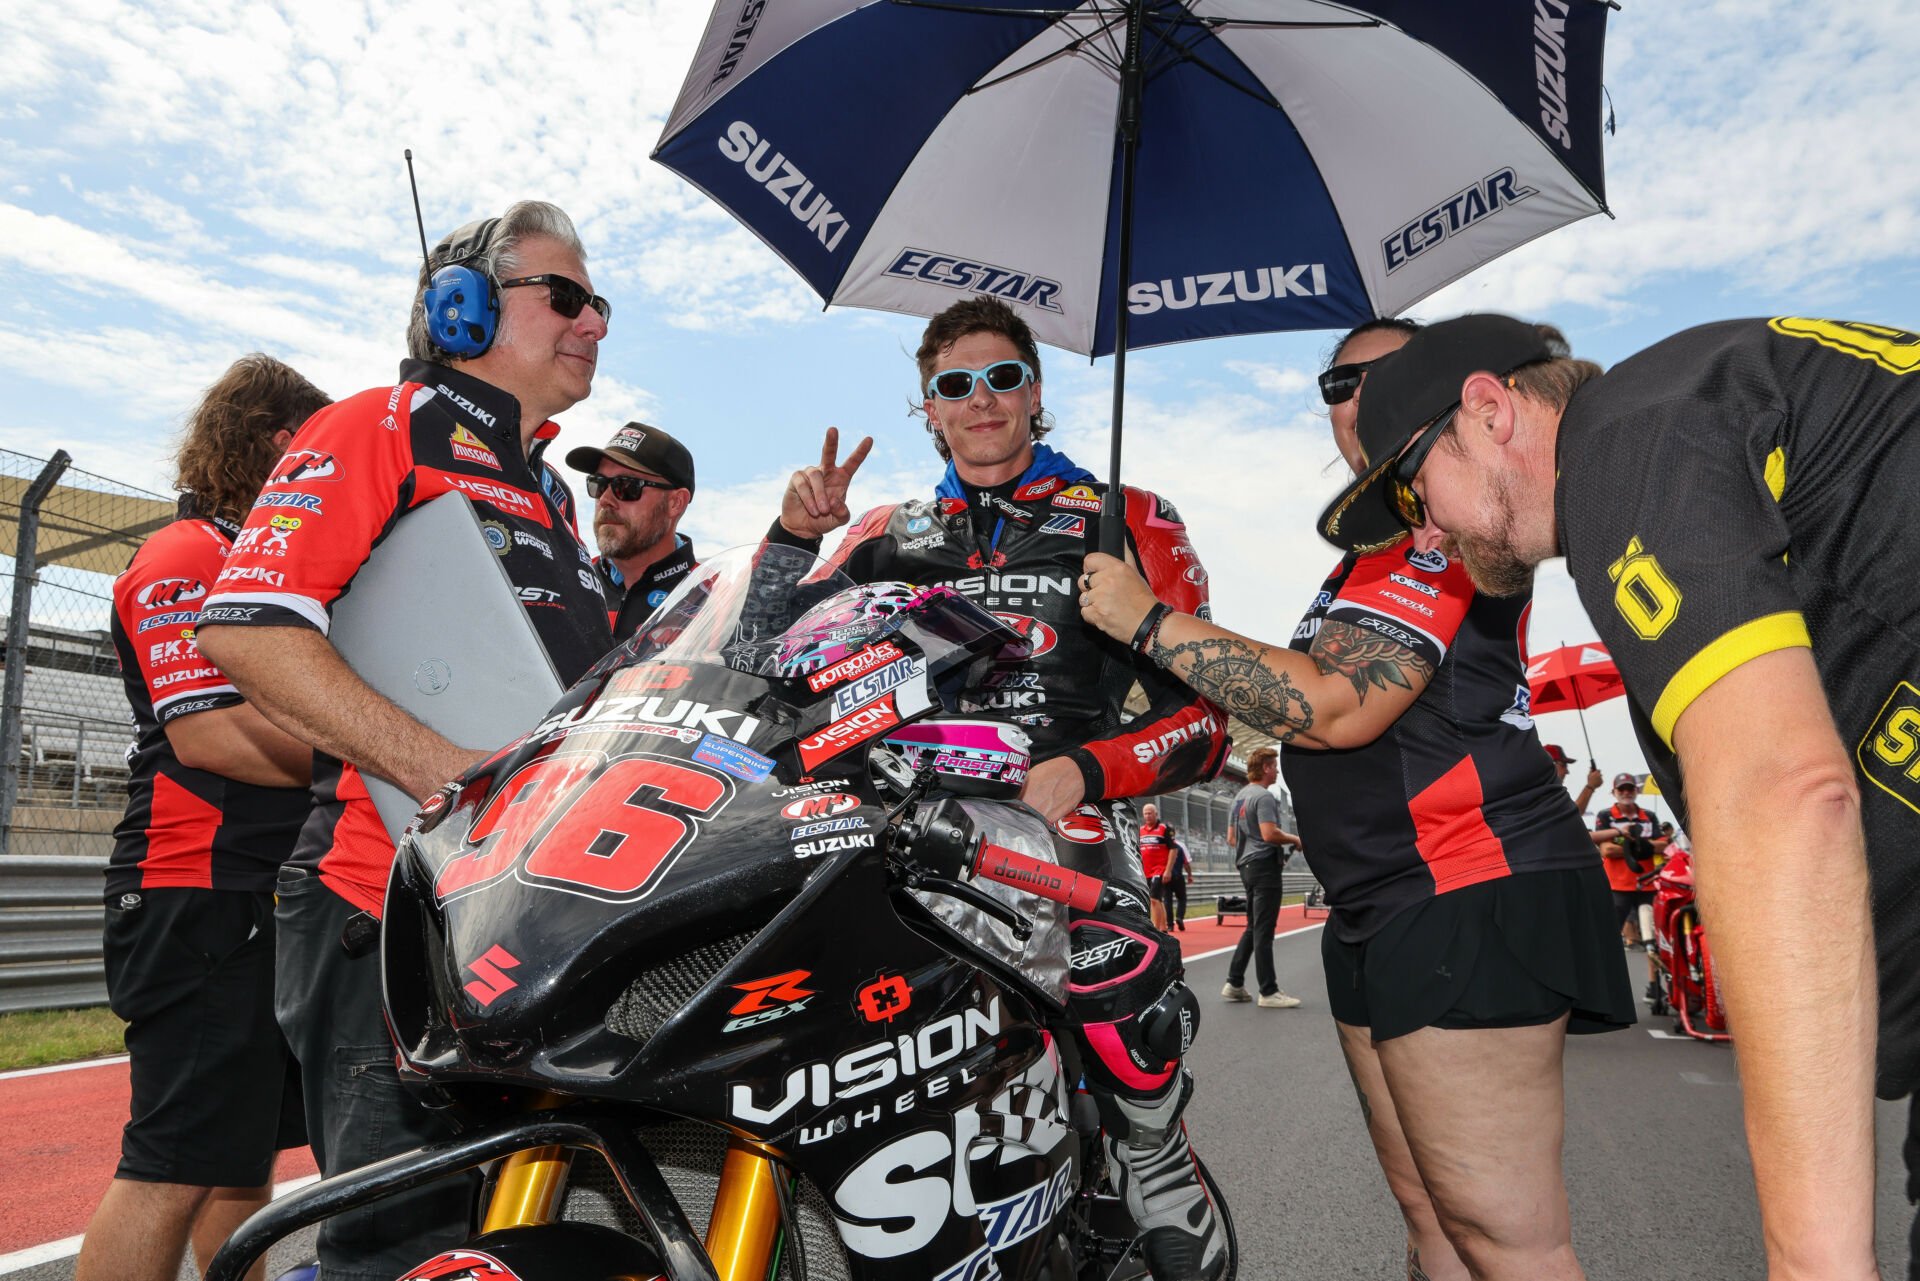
(1046, 880)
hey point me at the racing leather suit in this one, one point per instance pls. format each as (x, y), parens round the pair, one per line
(1016, 550)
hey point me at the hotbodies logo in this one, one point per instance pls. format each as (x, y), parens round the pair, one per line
(969, 275)
(783, 180)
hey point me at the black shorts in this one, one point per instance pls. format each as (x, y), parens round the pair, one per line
(215, 1091)
(1513, 952)
(1627, 904)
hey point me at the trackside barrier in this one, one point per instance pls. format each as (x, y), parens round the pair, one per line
(51, 919)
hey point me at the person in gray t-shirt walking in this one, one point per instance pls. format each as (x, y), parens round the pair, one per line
(1259, 850)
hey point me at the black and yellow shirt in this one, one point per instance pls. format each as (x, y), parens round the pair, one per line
(1791, 450)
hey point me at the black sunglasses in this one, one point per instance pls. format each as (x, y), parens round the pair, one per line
(565, 296)
(1338, 384)
(628, 489)
(1406, 504)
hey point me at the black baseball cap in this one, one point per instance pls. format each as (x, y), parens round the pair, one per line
(642, 448)
(1407, 389)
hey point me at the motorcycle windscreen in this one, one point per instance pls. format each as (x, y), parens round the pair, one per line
(1042, 958)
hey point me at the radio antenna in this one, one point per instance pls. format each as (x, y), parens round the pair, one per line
(418, 221)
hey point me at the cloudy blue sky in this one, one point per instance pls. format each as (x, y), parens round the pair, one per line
(186, 182)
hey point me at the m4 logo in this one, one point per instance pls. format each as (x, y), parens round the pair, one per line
(1642, 592)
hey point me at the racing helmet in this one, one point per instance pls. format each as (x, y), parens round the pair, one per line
(843, 624)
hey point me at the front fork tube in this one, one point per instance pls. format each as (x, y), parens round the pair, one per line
(746, 1207)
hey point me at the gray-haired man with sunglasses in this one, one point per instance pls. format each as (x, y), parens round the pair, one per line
(640, 485)
(511, 345)
(1771, 648)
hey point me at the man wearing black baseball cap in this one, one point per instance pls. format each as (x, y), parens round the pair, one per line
(1769, 649)
(640, 485)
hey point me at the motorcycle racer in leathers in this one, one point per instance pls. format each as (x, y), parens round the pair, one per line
(1008, 527)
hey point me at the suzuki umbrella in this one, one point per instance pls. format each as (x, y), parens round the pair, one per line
(1573, 677)
(1129, 173)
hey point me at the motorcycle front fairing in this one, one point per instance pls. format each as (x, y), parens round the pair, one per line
(671, 894)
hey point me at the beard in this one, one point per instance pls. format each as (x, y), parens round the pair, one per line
(1492, 559)
(618, 539)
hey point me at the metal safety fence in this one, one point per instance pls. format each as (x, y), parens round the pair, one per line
(65, 725)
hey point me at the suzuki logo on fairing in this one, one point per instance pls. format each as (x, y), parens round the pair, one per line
(870, 1067)
(784, 182)
(659, 711)
(1214, 288)
(490, 983)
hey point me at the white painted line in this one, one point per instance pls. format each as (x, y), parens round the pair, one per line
(1278, 934)
(63, 1067)
(35, 1255)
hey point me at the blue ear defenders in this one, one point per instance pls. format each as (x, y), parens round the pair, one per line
(462, 303)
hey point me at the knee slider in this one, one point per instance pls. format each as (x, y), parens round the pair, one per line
(1169, 1025)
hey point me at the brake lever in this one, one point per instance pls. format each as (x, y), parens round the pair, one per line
(917, 879)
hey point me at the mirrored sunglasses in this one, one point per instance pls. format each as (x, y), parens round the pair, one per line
(1338, 384)
(564, 295)
(628, 489)
(1407, 506)
(1002, 376)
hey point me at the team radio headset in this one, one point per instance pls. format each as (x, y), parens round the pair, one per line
(462, 302)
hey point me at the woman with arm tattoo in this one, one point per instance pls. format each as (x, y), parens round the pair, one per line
(1471, 925)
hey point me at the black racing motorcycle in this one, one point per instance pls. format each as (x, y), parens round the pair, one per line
(742, 965)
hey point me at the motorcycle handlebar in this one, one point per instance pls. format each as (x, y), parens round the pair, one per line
(1046, 880)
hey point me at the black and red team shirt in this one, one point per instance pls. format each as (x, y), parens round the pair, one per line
(185, 828)
(1020, 563)
(355, 468)
(1153, 849)
(1798, 440)
(1458, 791)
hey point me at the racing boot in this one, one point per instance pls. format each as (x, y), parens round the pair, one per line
(1154, 1170)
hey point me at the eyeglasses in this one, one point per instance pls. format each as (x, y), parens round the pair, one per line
(1338, 384)
(564, 295)
(1002, 375)
(1625, 787)
(628, 489)
(1407, 505)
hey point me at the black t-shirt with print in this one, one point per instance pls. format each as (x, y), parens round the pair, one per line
(1791, 447)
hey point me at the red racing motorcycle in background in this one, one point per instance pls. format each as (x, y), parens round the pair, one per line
(1685, 982)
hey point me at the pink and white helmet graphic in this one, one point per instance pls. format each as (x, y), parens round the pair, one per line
(847, 622)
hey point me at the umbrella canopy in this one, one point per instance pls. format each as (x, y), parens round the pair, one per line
(1300, 164)
(1573, 678)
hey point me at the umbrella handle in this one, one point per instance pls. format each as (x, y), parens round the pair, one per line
(1113, 509)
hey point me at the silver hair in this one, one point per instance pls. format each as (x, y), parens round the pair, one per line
(498, 257)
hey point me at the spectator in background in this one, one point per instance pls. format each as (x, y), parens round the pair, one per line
(640, 484)
(1173, 885)
(1630, 842)
(215, 798)
(1562, 763)
(1154, 836)
(1259, 846)
(454, 421)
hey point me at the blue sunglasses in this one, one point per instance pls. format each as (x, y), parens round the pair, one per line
(1002, 375)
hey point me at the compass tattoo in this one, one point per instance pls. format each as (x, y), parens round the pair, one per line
(1367, 659)
(1235, 675)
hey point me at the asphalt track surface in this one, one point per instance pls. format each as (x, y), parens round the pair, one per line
(1656, 1161)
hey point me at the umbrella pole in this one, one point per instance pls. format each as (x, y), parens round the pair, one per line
(1580, 709)
(1113, 510)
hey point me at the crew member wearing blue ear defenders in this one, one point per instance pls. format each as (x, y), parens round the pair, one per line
(505, 333)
